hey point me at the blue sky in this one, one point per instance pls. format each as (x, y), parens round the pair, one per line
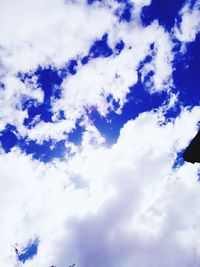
(99, 99)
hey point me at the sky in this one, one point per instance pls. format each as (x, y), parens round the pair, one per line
(98, 101)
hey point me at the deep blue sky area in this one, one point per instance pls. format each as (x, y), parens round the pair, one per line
(166, 12)
(28, 252)
(186, 79)
(46, 151)
(186, 74)
(139, 100)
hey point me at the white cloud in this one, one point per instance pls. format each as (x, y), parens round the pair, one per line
(138, 4)
(11, 99)
(126, 212)
(48, 32)
(45, 32)
(190, 23)
(97, 79)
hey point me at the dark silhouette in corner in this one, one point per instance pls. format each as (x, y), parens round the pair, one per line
(192, 152)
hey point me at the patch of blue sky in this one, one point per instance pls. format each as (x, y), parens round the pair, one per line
(90, 2)
(148, 58)
(192, 3)
(2, 86)
(72, 66)
(176, 45)
(166, 12)
(124, 12)
(139, 100)
(24, 76)
(29, 251)
(198, 173)
(179, 161)
(49, 80)
(119, 47)
(45, 152)
(186, 74)
(186, 77)
(172, 113)
(27, 102)
(100, 48)
(8, 138)
(42, 111)
(61, 115)
(75, 136)
(85, 60)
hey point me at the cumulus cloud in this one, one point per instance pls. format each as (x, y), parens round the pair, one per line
(102, 73)
(190, 23)
(29, 28)
(127, 211)
(42, 34)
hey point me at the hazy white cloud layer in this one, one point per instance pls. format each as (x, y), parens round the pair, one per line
(118, 206)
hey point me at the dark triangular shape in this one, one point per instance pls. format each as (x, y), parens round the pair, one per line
(192, 153)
